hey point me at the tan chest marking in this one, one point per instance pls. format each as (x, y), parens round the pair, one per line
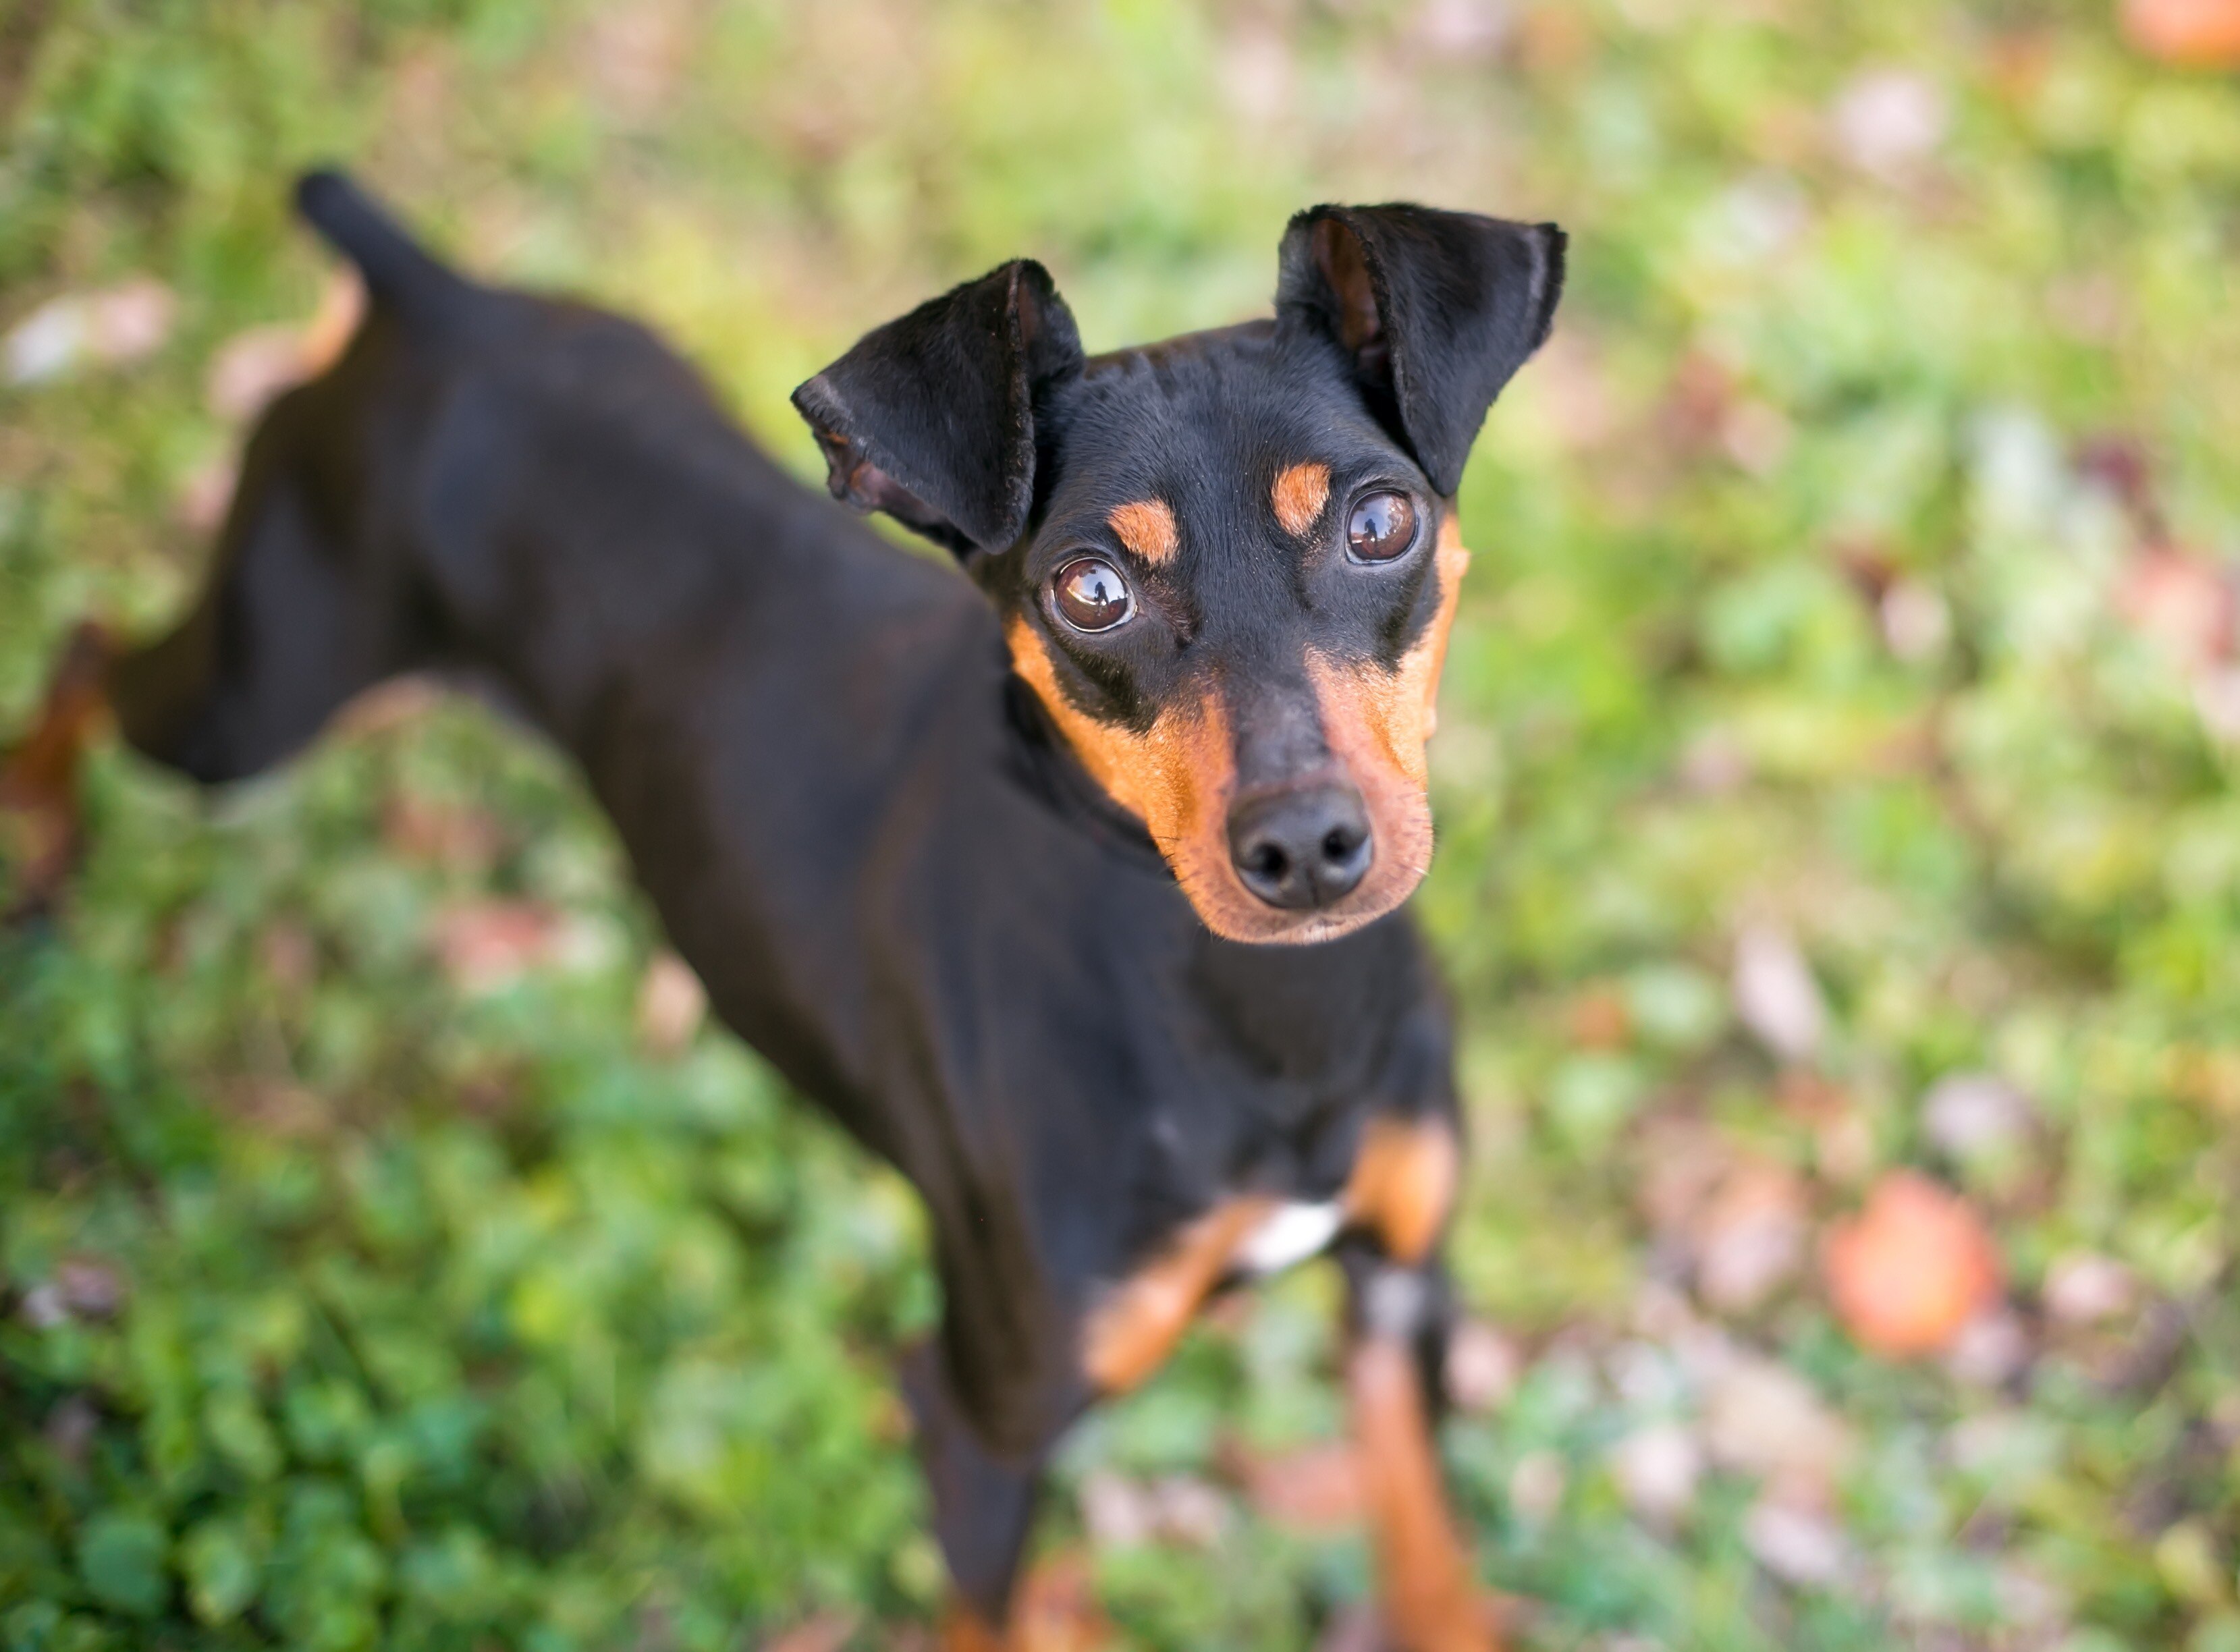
(1298, 497)
(1401, 1190)
(1147, 528)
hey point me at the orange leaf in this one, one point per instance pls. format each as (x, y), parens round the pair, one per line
(2205, 33)
(1911, 1269)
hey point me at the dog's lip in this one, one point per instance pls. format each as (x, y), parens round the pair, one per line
(1356, 910)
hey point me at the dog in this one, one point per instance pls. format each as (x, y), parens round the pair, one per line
(1066, 871)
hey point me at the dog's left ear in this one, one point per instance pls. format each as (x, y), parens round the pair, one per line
(931, 418)
(1437, 309)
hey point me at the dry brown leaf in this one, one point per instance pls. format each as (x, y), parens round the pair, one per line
(671, 1004)
(826, 1632)
(1317, 1489)
(1764, 1419)
(484, 945)
(1776, 995)
(1656, 1468)
(1750, 1240)
(1482, 1366)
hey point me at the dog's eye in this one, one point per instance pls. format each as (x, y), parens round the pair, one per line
(1091, 594)
(1382, 526)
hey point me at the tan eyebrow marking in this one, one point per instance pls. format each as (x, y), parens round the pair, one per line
(1147, 526)
(1299, 495)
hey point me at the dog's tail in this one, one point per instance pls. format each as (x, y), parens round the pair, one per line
(397, 272)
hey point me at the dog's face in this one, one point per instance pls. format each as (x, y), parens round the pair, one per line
(1226, 564)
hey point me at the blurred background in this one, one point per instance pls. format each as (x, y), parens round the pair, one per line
(1839, 867)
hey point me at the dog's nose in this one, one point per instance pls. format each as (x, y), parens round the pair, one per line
(1301, 849)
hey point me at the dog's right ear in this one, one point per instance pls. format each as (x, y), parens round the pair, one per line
(931, 418)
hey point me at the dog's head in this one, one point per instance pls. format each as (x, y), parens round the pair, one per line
(1226, 564)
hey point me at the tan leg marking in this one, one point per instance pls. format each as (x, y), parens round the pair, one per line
(1055, 1611)
(1403, 1185)
(1298, 497)
(1431, 1602)
(1147, 528)
(1136, 1326)
(38, 779)
(963, 1629)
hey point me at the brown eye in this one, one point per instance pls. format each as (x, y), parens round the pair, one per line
(1091, 594)
(1383, 525)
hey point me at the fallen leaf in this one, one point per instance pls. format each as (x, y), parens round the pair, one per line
(1888, 121)
(2183, 603)
(1597, 1018)
(90, 1288)
(1482, 1366)
(1657, 1469)
(1913, 1267)
(1750, 1239)
(1536, 1485)
(1975, 1115)
(1464, 29)
(1121, 1512)
(1316, 1489)
(1764, 1419)
(826, 1632)
(1917, 623)
(1990, 1350)
(484, 945)
(2201, 33)
(114, 326)
(1355, 1628)
(671, 1004)
(1776, 995)
(457, 837)
(1801, 1546)
(2082, 1287)
(1116, 1510)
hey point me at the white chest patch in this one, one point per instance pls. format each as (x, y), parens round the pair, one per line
(1293, 1233)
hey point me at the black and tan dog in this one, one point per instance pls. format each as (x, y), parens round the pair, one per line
(988, 865)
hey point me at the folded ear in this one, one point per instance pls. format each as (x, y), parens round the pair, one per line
(931, 418)
(1437, 309)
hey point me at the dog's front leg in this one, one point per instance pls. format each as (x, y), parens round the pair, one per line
(1398, 1315)
(984, 1509)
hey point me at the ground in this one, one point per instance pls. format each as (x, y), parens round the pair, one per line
(1839, 871)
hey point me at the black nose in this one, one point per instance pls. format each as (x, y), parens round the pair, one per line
(1301, 849)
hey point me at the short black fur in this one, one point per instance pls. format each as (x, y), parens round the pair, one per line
(854, 822)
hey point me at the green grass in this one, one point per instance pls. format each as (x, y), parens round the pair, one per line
(346, 1303)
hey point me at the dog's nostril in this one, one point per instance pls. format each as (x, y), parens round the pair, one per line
(1301, 848)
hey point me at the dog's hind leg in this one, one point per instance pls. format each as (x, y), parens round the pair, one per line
(39, 822)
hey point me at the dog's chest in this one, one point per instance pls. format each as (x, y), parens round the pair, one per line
(1292, 1233)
